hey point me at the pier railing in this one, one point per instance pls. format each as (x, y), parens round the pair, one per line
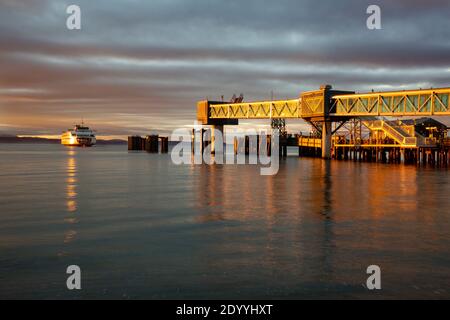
(309, 142)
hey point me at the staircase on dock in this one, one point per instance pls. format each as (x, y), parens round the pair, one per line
(404, 135)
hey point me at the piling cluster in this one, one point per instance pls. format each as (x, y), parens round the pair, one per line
(307, 147)
(151, 143)
(245, 144)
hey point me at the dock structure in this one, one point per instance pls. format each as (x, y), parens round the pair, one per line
(371, 135)
(150, 143)
(422, 140)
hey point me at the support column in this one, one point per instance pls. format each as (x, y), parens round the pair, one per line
(193, 141)
(247, 145)
(202, 141)
(213, 140)
(326, 140)
(164, 144)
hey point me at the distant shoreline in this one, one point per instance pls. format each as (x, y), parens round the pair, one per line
(35, 140)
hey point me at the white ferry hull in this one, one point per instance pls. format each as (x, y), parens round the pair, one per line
(80, 136)
(78, 142)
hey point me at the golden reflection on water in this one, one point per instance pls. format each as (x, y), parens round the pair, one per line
(322, 189)
(380, 189)
(71, 194)
(236, 193)
(71, 182)
(310, 208)
(241, 194)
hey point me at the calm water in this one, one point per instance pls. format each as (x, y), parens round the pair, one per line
(141, 227)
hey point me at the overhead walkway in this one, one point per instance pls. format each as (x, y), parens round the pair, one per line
(325, 106)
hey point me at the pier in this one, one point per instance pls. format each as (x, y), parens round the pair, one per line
(351, 126)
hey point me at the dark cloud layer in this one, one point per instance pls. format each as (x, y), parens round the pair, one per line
(141, 65)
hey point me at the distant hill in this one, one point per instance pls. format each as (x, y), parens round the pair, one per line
(15, 139)
(113, 141)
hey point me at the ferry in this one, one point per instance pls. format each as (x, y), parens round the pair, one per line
(80, 136)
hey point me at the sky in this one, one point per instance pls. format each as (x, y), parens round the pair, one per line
(139, 67)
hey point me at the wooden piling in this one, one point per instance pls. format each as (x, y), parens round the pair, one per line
(164, 144)
(152, 143)
(136, 143)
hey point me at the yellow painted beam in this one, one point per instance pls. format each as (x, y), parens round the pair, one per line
(393, 103)
(256, 110)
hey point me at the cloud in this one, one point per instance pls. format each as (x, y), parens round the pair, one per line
(137, 65)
